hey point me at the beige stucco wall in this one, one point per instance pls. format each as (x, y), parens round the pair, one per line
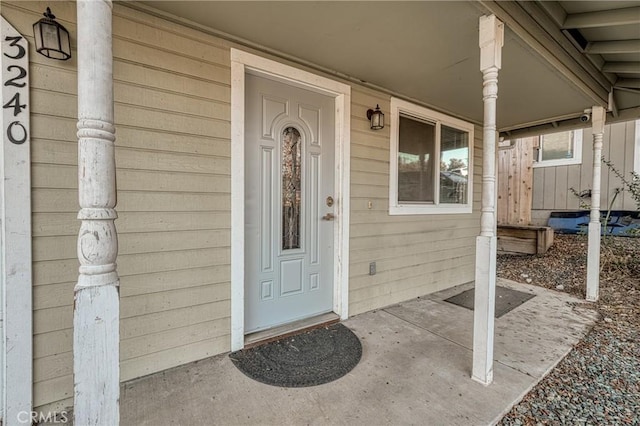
(172, 113)
(551, 185)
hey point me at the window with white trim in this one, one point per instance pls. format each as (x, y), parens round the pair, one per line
(560, 149)
(430, 161)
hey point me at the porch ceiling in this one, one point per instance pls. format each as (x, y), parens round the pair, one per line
(426, 51)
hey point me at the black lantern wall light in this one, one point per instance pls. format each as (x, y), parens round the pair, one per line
(376, 117)
(52, 39)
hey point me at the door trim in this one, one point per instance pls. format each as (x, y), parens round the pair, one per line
(243, 63)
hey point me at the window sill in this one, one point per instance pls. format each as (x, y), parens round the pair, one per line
(556, 163)
(405, 209)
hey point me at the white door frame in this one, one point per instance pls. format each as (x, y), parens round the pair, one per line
(241, 64)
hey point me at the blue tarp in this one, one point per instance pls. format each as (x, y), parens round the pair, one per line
(621, 222)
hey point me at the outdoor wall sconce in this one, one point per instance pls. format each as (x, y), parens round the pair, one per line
(52, 39)
(376, 117)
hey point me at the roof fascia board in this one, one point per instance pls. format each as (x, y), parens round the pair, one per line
(571, 124)
(539, 39)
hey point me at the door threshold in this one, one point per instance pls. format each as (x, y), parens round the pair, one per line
(286, 330)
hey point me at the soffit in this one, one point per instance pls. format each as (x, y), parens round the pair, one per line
(610, 32)
(425, 51)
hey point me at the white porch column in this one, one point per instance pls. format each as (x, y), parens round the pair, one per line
(491, 41)
(96, 335)
(598, 115)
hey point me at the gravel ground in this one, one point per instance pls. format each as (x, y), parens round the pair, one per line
(598, 382)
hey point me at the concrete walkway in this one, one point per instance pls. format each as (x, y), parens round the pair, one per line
(415, 369)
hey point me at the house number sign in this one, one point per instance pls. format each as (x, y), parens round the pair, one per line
(15, 86)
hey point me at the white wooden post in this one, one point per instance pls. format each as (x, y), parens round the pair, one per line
(491, 40)
(598, 115)
(16, 344)
(96, 334)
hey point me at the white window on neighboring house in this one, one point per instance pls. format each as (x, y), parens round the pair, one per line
(430, 163)
(560, 149)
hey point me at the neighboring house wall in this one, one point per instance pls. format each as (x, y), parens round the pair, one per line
(172, 114)
(551, 185)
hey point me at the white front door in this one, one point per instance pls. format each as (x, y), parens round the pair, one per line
(289, 189)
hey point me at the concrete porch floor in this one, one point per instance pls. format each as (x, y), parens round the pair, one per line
(415, 369)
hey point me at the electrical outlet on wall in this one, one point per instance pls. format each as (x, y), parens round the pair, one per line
(372, 268)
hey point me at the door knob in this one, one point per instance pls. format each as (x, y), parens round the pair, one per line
(328, 216)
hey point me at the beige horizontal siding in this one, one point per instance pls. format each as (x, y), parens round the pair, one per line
(173, 156)
(172, 112)
(414, 255)
(551, 185)
(158, 361)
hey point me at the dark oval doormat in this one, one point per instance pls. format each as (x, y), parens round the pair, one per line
(312, 358)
